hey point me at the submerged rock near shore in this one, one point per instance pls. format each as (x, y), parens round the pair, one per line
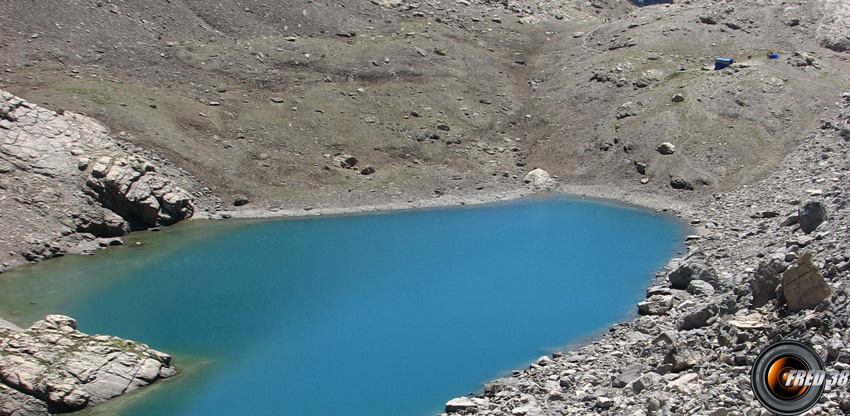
(52, 367)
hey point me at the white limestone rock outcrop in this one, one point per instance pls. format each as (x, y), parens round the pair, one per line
(64, 180)
(131, 187)
(52, 367)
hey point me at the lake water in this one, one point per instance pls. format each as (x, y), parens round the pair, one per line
(379, 314)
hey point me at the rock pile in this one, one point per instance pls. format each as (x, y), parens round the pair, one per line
(54, 368)
(746, 282)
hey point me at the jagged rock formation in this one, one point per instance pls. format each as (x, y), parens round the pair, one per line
(52, 367)
(131, 187)
(65, 181)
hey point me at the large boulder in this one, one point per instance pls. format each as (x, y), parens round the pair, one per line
(697, 317)
(803, 285)
(63, 173)
(628, 375)
(765, 280)
(100, 222)
(833, 31)
(810, 215)
(539, 180)
(656, 305)
(666, 148)
(692, 269)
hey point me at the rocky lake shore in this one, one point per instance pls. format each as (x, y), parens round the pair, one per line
(770, 262)
(690, 348)
(136, 122)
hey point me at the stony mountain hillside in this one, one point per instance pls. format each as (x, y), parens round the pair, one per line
(256, 99)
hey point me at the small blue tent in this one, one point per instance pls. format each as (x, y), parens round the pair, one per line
(771, 55)
(721, 62)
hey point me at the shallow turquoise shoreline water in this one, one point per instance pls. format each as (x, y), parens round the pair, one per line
(390, 313)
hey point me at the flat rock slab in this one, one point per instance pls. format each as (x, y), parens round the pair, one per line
(51, 367)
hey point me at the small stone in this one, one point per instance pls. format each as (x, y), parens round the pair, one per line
(765, 280)
(689, 270)
(427, 135)
(709, 20)
(240, 201)
(604, 402)
(698, 317)
(666, 148)
(682, 384)
(367, 170)
(627, 375)
(387, 3)
(681, 183)
(345, 161)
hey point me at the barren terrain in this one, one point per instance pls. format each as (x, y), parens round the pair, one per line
(248, 108)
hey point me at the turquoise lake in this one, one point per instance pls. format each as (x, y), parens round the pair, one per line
(373, 314)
